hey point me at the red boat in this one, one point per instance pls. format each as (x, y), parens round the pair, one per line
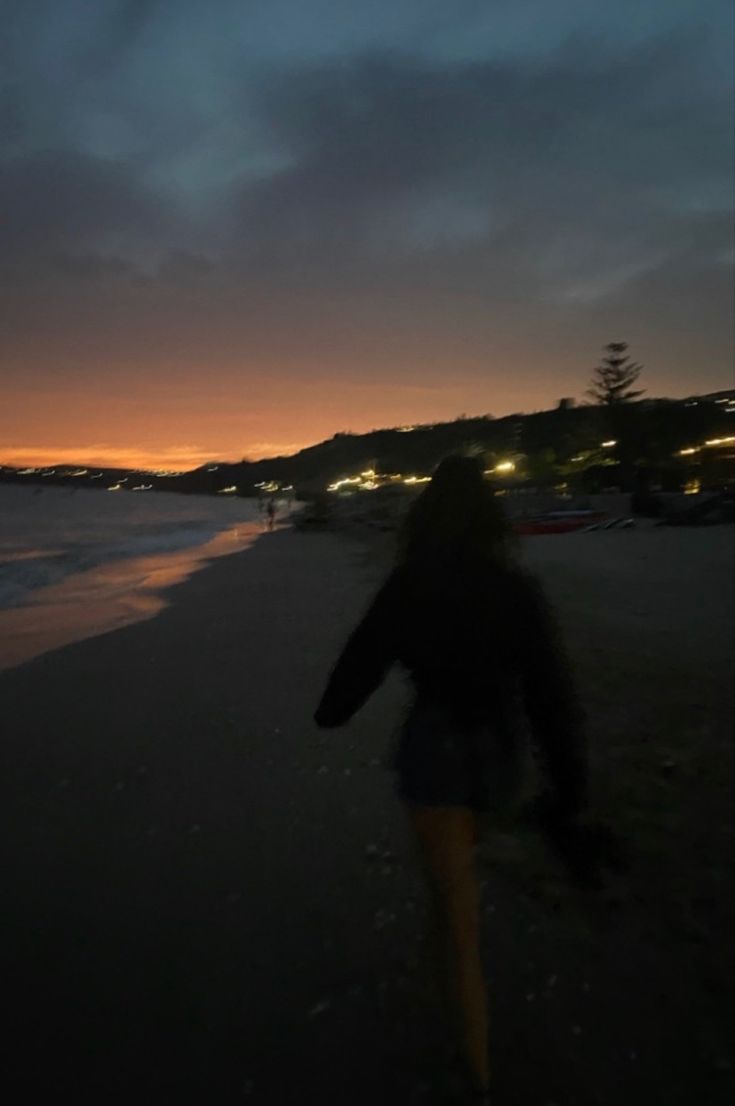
(558, 522)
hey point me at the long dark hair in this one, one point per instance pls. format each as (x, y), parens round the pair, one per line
(457, 518)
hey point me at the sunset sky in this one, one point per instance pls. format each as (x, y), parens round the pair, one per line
(233, 228)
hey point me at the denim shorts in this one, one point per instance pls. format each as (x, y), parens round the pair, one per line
(442, 763)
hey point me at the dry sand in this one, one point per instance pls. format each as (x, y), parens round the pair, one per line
(208, 900)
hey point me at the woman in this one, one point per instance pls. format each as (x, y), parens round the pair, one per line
(476, 635)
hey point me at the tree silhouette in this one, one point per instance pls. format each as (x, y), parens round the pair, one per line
(613, 380)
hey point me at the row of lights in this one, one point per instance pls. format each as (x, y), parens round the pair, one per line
(712, 443)
(367, 480)
(269, 487)
(135, 488)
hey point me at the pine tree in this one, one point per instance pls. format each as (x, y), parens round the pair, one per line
(613, 380)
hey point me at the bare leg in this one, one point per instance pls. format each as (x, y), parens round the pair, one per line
(447, 836)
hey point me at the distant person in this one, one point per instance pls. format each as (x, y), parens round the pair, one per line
(271, 514)
(473, 631)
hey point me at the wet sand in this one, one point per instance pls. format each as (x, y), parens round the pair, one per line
(110, 595)
(208, 900)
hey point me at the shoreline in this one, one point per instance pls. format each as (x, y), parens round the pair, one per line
(108, 596)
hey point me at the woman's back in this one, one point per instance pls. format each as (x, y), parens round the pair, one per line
(461, 630)
(471, 627)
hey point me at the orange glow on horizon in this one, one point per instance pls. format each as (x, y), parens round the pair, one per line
(151, 425)
(179, 425)
(179, 458)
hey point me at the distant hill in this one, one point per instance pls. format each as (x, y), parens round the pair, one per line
(567, 443)
(545, 445)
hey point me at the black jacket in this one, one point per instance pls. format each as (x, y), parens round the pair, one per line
(475, 636)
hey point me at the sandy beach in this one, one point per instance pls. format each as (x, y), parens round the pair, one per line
(207, 899)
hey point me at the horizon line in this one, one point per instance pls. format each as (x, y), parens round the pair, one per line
(182, 459)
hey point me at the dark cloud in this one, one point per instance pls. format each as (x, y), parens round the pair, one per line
(66, 200)
(129, 20)
(11, 116)
(119, 31)
(557, 168)
(92, 266)
(454, 167)
(184, 266)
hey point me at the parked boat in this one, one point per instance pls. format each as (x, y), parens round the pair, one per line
(558, 522)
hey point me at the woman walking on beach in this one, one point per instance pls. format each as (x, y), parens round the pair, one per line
(475, 634)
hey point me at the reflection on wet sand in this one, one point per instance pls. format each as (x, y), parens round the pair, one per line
(106, 597)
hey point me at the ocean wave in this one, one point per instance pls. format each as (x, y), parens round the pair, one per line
(23, 573)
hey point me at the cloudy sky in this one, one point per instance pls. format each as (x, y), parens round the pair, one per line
(231, 229)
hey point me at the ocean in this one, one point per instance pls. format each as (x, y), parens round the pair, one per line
(78, 562)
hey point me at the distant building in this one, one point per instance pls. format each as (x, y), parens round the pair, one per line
(565, 404)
